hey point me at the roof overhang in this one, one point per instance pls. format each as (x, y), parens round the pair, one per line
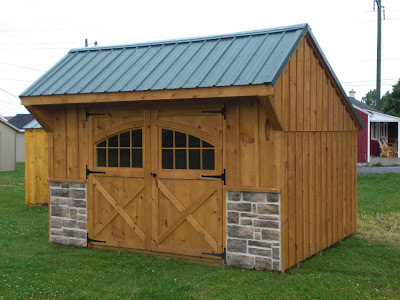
(379, 117)
(157, 95)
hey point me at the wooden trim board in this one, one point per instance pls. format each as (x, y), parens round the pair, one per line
(196, 93)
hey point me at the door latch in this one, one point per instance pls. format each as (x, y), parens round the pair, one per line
(222, 176)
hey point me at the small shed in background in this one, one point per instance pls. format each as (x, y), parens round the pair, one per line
(8, 138)
(20, 121)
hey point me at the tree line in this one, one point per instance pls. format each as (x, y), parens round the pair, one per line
(390, 102)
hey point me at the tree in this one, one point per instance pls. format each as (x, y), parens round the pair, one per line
(392, 104)
(370, 99)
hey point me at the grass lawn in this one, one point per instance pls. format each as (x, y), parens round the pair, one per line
(365, 265)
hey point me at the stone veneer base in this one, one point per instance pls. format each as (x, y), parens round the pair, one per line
(68, 220)
(253, 230)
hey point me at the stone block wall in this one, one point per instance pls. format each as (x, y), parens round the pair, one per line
(68, 214)
(253, 230)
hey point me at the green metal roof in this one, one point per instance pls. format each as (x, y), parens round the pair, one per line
(254, 57)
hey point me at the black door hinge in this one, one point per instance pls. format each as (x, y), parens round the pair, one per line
(222, 255)
(89, 240)
(88, 114)
(222, 176)
(92, 172)
(221, 111)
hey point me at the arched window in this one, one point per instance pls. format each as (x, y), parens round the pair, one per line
(122, 150)
(183, 151)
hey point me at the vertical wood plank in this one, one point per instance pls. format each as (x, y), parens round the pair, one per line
(293, 93)
(282, 183)
(306, 193)
(267, 153)
(354, 180)
(325, 102)
(60, 151)
(51, 154)
(300, 87)
(324, 191)
(335, 187)
(147, 174)
(313, 91)
(307, 87)
(154, 165)
(340, 187)
(291, 146)
(248, 122)
(312, 188)
(299, 197)
(83, 138)
(72, 141)
(237, 138)
(329, 186)
(286, 103)
(331, 106)
(278, 98)
(336, 106)
(344, 194)
(231, 146)
(318, 192)
(320, 84)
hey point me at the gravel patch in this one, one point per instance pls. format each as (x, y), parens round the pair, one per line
(380, 170)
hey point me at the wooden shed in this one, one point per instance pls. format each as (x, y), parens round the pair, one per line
(237, 149)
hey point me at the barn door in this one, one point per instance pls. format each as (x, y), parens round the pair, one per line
(186, 191)
(117, 192)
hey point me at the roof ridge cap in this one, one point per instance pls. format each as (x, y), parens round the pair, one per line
(193, 39)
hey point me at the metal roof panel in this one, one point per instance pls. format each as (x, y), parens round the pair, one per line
(242, 58)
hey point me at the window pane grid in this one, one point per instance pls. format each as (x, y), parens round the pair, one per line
(115, 152)
(183, 151)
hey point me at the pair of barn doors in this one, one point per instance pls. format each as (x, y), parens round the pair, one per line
(155, 184)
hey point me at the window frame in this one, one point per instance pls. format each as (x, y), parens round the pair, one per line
(187, 148)
(119, 148)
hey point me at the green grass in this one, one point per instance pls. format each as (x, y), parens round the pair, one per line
(361, 266)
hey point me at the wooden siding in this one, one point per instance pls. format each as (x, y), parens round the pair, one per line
(306, 97)
(319, 195)
(36, 167)
(250, 145)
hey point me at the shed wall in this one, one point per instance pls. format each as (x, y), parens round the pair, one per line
(317, 170)
(20, 154)
(36, 167)
(7, 148)
(250, 145)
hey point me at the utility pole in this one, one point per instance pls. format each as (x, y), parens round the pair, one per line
(379, 54)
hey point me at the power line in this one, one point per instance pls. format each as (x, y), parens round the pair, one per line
(372, 80)
(4, 63)
(8, 93)
(12, 79)
(10, 105)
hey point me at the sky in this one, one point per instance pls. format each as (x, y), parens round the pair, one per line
(34, 35)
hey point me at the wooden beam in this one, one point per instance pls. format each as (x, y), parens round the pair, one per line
(179, 94)
(267, 103)
(44, 117)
